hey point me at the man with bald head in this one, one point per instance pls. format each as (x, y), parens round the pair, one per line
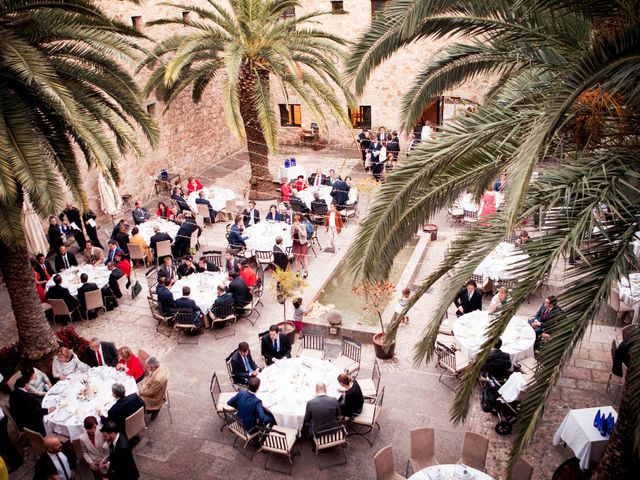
(58, 459)
(322, 412)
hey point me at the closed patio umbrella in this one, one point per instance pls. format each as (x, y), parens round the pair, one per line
(33, 230)
(110, 201)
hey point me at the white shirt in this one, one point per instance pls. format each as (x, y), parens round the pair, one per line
(62, 465)
(332, 219)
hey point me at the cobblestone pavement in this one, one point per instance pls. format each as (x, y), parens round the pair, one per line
(193, 447)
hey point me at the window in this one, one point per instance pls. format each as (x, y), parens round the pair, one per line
(289, 12)
(360, 117)
(377, 6)
(337, 6)
(290, 115)
(137, 22)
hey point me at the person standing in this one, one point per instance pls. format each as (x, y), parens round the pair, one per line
(57, 460)
(300, 247)
(333, 223)
(91, 227)
(154, 391)
(74, 221)
(93, 447)
(121, 465)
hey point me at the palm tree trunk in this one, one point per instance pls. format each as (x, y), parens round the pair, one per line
(618, 459)
(34, 335)
(261, 185)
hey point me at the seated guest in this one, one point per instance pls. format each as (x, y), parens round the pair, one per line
(242, 365)
(154, 391)
(58, 460)
(125, 265)
(92, 255)
(129, 364)
(322, 412)
(122, 238)
(202, 200)
(206, 266)
(117, 227)
(280, 257)
(83, 289)
(177, 197)
(275, 345)
(182, 242)
(163, 211)
(65, 260)
(186, 267)
(102, 353)
(120, 464)
(351, 399)
(169, 272)
(318, 178)
(65, 363)
(235, 236)
(340, 194)
(249, 407)
(166, 301)
(58, 292)
(43, 268)
(232, 262)
(186, 303)
(125, 406)
(498, 364)
(251, 215)
(286, 214)
(112, 249)
(193, 185)
(318, 205)
(92, 446)
(353, 192)
(55, 236)
(223, 299)
(158, 236)
(238, 288)
(301, 183)
(333, 177)
(523, 238)
(138, 239)
(498, 300)
(140, 214)
(285, 190)
(248, 274)
(297, 205)
(114, 276)
(546, 312)
(38, 383)
(273, 214)
(468, 299)
(26, 409)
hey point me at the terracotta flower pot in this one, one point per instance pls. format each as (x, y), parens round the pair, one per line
(378, 346)
(289, 328)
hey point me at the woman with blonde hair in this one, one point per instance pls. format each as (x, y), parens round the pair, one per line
(498, 300)
(65, 363)
(129, 363)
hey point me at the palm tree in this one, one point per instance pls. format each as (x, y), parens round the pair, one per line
(65, 96)
(566, 88)
(251, 44)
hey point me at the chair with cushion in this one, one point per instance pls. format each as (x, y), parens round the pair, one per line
(312, 346)
(618, 306)
(423, 448)
(369, 386)
(185, 325)
(277, 440)
(330, 438)
(163, 249)
(166, 320)
(220, 399)
(264, 257)
(453, 362)
(203, 211)
(36, 441)
(223, 315)
(135, 424)
(385, 467)
(474, 451)
(522, 470)
(60, 309)
(94, 301)
(136, 252)
(350, 354)
(234, 424)
(365, 423)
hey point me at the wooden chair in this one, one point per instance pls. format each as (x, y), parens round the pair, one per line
(278, 440)
(93, 300)
(350, 354)
(36, 441)
(214, 256)
(369, 386)
(474, 451)
(330, 438)
(522, 470)
(235, 425)
(368, 419)
(236, 386)
(422, 449)
(163, 249)
(203, 211)
(312, 346)
(453, 362)
(135, 424)
(60, 309)
(166, 320)
(152, 280)
(220, 399)
(225, 315)
(264, 257)
(185, 325)
(384, 463)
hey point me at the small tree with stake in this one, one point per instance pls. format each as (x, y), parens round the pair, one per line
(287, 282)
(375, 297)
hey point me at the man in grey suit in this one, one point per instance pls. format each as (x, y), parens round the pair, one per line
(322, 412)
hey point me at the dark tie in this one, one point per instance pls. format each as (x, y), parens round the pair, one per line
(111, 255)
(64, 469)
(66, 262)
(275, 346)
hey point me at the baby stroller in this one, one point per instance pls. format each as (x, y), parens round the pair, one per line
(501, 399)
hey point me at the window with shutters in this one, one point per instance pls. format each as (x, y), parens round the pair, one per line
(290, 115)
(377, 6)
(361, 116)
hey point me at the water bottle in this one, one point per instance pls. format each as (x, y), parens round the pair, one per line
(286, 163)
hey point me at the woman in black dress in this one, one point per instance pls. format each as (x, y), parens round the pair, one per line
(351, 400)
(92, 231)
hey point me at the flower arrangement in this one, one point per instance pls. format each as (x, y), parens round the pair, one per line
(88, 392)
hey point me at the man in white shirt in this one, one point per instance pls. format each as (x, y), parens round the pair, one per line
(94, 449)
(56, 460)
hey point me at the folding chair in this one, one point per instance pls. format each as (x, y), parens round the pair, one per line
(223, 314)
(185, 325)
(278, 440)
(312, 346)
(220, 399)
(349, 359)
(329, 438)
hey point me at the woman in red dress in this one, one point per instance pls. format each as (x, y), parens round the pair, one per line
(193, 185)
(301, 184)
(488, 203)
(130, 364)
(286, 192)
(163, 211)
(41, 285)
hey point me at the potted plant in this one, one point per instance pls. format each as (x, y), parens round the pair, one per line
(375, 297)
(286, 283)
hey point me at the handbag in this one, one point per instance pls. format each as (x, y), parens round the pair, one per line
(136, 289)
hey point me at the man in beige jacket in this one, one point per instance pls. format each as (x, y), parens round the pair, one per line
(153, 392)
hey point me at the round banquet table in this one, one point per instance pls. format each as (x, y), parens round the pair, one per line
(262, 236)
(71, 411)
(629, 292)
(146, 228)
(71, 277)
(501, 259)
(306, 195)
(218, 197)
(450, 472)
(287, 385)
(203, 288)
(292, 172)
(517, 339)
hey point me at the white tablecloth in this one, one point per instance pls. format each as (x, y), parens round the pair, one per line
(71, 277)
(497, 264)
(70, 411)
(517, 339)
(578, 432)
(629, 291)
(450, 472)
(218, 197)
(146, 228)
(203, 288)
(306, 195)
(291, 173)
(466, 202)
(287, 386)
(262, 236)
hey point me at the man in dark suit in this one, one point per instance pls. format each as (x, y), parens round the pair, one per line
(242, 365)
(169, 272)
(115, 274)
(238, 288)
(112, 250)
(363, 143)
(322, 412)
(318, 178)
(55, 236)
(296, 204)
(186, 303)
(180, 200)
(232, 263)
(319, 205)
(122, 238)
(124, 407)
(86, 286)
(74, 221)
(64, 259)
(43, 268)
(333, 177)
(275, 345)
(122, 465)
(102, 353)
(186, 267)
(548, 310)
(469, 299)
(498, 364)
(158, 236)
(234, 235)
(57, 291)
(57, 458)
(251, 215)
(206, 266)
(201, 200)
(140, 214)
(249, 407)
(165, 298)
(340, 194)
(26, 409)
(280, 257)
(394, 145)
(182, 242)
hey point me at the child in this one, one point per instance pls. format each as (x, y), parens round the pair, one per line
(404, 300)
(299, 312)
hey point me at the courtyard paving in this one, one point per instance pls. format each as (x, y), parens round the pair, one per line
(193, 447)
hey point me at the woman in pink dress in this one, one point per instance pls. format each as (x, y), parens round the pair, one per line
(488, 203)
